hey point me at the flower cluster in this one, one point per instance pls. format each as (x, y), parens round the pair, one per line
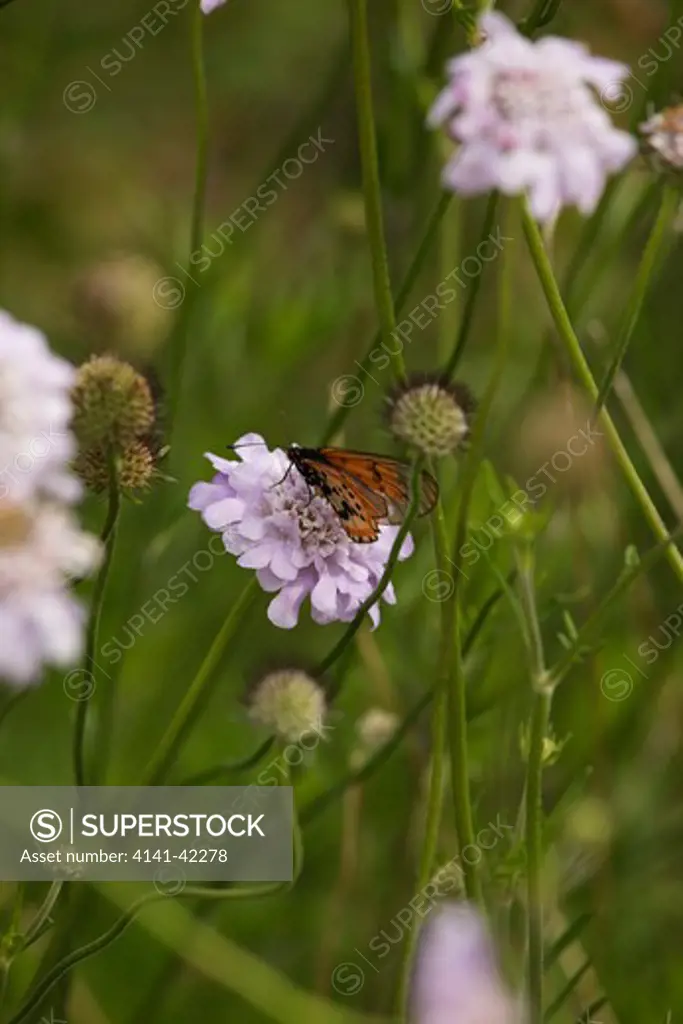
(273, 523)
(528, 120)
(41, 545)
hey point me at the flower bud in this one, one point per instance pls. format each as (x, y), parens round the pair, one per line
(431, 414)
(289, 703)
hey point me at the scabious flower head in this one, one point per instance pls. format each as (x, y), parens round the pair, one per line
(36, 445)
(115, 423)
(528, 120)
(431, 414)
(272, 522)
(456, 977)
(211, 5)
(41, 623)
(288, 702)
(134, 466)
(113, 402)
(663, 139)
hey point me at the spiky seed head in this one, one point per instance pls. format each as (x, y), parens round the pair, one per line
(432, 415)
(113, 403)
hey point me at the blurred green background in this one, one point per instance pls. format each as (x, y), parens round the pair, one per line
(94, 210)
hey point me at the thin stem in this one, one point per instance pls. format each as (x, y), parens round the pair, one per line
(542, 14)
(534, 807)
(321, 802)
(649, 441)
(452, 669)
(337, 420)
(37, 925)
(371, 185)
(236, 768)
(565, 993)
(582, 369)
(667, 209)
(67, 964)
(197, 692)
(180, 338)
(592, 628)
(108, 538)
(436, 776)
(472, 295)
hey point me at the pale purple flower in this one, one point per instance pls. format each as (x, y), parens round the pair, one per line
(210, 5)
(528, 119)
(456, 979)
(36, 445)
(272, 522)
(41, 546)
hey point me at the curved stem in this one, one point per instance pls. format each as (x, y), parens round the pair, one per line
(367, 604)
(338, 418)
(37, 925)
(108, 537)
(667, 209)
(542, 14)
(197, 692)
(472, 295)
(371, 185)
(67, 964)
(236, 768)
(320, 803)
(583, 371)
(181, 335)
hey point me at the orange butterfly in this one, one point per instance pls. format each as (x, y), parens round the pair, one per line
(363, 489)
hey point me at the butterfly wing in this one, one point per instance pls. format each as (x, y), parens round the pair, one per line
(389, 477)
(359, 508)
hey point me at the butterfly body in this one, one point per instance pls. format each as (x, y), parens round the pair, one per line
(363, 489)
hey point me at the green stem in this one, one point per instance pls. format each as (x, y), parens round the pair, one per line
(472, 294)
(338, 418)
(371, 185)
(181, 335)
(582, 369)
(436, 777)
(321, 802)
(542, 14)
(372, 599)
(90, 949)
(667, 209)
(197, 693)
(236, 768)
(108, 538)
(534, 807)
(36, 928)
(452, 669)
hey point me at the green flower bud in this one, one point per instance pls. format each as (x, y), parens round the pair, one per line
(432, 415)
(113, 404)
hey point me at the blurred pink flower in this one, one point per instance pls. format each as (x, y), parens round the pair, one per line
(456, 978)
(270, 520)
(36, 445)
(41, 545)
(528, 120)
(210, 5)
